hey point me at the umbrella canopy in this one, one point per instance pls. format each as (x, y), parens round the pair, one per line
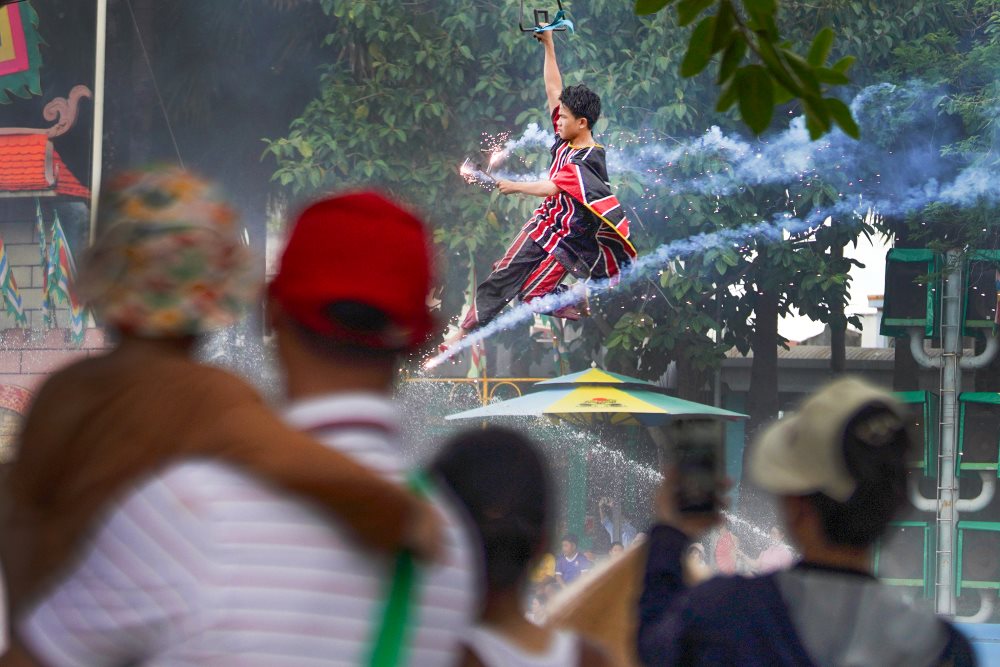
(595, 395)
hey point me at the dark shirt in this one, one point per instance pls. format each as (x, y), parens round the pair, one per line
(571, 568)
(757, 621)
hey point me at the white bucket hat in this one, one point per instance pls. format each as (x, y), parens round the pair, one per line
(804, 452)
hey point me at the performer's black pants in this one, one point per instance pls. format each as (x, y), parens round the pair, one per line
(525, 271)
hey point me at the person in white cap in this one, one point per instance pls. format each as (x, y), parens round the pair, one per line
(838, 470)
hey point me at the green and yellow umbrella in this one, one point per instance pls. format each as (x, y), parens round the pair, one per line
(598, 396)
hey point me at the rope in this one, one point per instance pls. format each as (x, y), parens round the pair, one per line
(156, 87)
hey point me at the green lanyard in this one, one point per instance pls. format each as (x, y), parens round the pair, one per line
(387, 648)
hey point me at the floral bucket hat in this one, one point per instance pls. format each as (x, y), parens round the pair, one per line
(169, 259)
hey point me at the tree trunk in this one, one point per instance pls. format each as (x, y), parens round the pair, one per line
(905, 369)
(690, 380)
(762, 402)
(838, 328)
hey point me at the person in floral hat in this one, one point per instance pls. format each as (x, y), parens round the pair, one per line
(107, 486)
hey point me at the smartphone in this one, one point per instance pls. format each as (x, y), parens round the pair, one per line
(698, 454)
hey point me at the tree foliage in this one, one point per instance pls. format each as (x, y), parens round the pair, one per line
(405, 95)
(757, 70)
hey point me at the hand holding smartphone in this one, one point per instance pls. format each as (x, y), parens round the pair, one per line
(698, 455)
(690, 498)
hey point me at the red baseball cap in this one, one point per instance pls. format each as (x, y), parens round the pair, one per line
(359, 248)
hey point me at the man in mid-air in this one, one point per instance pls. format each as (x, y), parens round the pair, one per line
(579, 228)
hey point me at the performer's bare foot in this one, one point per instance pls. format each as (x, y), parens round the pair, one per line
(575, 311)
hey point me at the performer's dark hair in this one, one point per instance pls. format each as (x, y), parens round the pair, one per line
(501, 480)
(879, 469)
(582, 102)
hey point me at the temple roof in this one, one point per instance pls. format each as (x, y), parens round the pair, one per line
(30, 166)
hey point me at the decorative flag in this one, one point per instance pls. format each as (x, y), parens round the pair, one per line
(477, 353)
(48, 310)
(556, 326)
(61, 276)
(20, 57)
(8, 286)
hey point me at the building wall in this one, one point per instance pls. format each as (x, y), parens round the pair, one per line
(28, 354)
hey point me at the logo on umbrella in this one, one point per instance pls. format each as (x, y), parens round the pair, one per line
(599, 402)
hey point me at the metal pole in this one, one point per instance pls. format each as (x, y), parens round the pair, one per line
(951, 381)
(717, 380)
(96, 161)
(947, 503)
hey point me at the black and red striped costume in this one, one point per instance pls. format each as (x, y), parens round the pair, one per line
(581, 230)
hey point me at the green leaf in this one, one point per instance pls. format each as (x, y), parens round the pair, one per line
(815, 126)
(699, 48)
(803, 71)
(821, 45)
(761, 8)
(688, 10)
(731, 59)
(756, 94)
(831, 76)
(725, 32)
(782, 95)
(842, 116)
(843, 64)
(650, 6)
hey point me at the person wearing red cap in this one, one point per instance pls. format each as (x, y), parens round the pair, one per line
(579, 228)
(158, 511)
(341, 321)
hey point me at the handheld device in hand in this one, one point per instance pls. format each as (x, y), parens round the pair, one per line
(473, 175)
(698, 456)
(542, 19)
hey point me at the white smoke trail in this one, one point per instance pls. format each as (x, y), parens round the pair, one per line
(912, 180)
(522, 312)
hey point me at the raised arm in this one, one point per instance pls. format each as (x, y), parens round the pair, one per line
(550, 70)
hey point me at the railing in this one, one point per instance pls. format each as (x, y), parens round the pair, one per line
(487, 386)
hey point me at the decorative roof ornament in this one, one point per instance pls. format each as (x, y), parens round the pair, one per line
(29, 163)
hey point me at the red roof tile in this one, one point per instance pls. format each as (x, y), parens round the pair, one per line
(23, 162)
(66, 183)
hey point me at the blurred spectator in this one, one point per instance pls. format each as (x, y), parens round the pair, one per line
(727, 551)
(571, 564)
(606, 508)
(551, 588)
(777, 555)
(838, 469)
(512, 520)
(696, 569)
(617, 548)
(536, 610)
(600, 541)
(544, 569)
(173, 572)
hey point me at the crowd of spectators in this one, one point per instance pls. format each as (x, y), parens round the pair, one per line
(160, 513)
